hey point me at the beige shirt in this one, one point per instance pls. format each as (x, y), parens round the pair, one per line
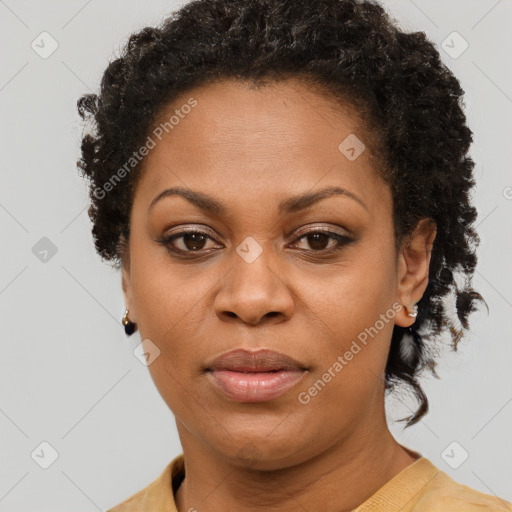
(420, 487)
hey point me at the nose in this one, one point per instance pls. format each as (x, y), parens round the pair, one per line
(254, 292)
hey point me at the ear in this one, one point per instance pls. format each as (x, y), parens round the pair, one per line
(413, 268)
(125, 278)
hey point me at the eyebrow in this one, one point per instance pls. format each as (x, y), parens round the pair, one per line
(291, 205)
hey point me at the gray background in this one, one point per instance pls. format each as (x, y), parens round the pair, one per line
(68, 375)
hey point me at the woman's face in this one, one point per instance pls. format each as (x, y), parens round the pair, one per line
(254, 280)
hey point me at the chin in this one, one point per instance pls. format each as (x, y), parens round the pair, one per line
(261, 451)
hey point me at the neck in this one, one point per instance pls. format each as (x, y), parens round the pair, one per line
(339, 479)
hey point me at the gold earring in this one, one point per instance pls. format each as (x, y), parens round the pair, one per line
(129, 326)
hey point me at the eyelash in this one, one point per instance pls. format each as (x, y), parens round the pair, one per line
(341, 240)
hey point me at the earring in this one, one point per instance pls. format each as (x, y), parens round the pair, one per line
(129, 326)
(414, 313)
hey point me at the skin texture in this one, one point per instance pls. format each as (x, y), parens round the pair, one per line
(251, 149)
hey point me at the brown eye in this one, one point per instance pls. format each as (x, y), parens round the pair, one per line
(194, 241)
(318, 240)
(185, 241)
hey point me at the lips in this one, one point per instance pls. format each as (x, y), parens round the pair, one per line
(262, 360)
(254, 376)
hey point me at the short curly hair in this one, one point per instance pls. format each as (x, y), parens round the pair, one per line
(351, 48)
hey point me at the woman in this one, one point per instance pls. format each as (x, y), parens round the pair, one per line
(285, 187)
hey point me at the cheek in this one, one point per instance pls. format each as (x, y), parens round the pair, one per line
(165, 294)
(353, 318)
(352, 298)
(173, 311)
(351, 355)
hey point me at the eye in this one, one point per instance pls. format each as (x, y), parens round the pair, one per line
(194, 241)
(190, 241)
(319, 239)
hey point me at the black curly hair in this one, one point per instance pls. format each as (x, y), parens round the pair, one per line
(353, 50)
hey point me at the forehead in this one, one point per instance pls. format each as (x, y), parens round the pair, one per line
(283, 137)
(238, 113)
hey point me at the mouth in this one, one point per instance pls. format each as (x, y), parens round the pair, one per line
(260, 376)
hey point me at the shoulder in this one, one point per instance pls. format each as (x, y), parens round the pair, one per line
(158, 495)
(422, 487)
(141, 500)
(443, 494)
(137, 501)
